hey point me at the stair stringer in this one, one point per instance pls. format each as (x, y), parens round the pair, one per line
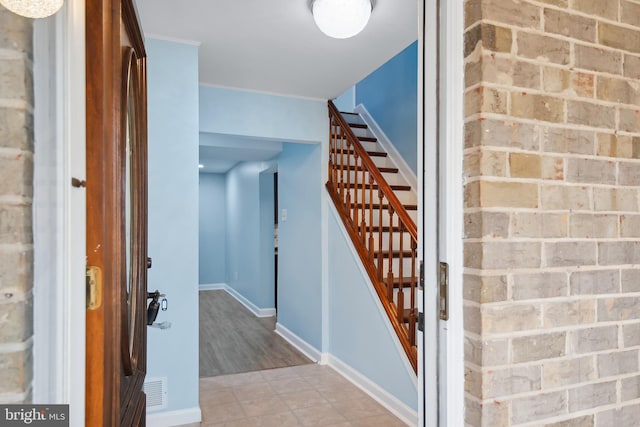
(372, 365)
(386, 144)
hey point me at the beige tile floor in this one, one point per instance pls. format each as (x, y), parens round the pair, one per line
(307, 395)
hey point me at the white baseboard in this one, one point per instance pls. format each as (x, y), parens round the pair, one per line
(374, 296)
(388, 146)
(301, 345)
(258, 312)
(383, 397)
(174, 418)
(212, 286)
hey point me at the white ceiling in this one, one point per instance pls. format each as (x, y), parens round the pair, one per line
(274, 46)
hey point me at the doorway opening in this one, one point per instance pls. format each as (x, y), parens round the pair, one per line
(239, 261)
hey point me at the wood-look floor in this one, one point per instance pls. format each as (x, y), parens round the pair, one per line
(233, 340)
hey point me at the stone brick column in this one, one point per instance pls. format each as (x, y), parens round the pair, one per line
(552, 213)
(16, 190)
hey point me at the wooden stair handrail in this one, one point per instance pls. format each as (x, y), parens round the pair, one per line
(371, 168)
(361, 229)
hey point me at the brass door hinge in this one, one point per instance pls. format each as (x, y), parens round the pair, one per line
(443, 294)
(94, 288)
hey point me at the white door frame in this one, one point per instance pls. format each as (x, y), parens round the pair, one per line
(59, 298)
(441, 133)
(428, 218)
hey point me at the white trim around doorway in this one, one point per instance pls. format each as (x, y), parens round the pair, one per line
(59, 298)
(450, 206)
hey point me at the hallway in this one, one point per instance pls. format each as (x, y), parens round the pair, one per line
(233, 340)
(250, 376)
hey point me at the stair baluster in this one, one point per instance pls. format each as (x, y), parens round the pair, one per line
(352, 175)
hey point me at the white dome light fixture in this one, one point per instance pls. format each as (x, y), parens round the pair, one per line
(33, 8)
(341, 19)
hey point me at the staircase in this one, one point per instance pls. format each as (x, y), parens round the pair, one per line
(379, 211)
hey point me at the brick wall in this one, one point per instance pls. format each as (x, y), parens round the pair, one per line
(16, 190)
(552, 213)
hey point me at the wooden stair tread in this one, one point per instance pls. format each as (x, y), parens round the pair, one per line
(359, 168)
(385, 229)
(405, 315)
(358, 125)
(370, 153)
(384, 206)
(405, 281)
(367, 138)
(375, 187)
(394, 254)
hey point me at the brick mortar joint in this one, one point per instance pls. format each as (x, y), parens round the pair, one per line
(560, 300)
(568, 10)
(488, 336)
(483, 115)
(510, 398)
(11, 153)
(17, 347)
(555, 154)
(538, 270)
(17, 104)
(541, 28)
(539, 181)
(565, 96)
(563, 239)
(14, 54)
(16, 247)
(487, 54)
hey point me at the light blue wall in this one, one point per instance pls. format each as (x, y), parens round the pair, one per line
(300, 187)
(237, 112)
(346, 101)
(173, 216)
(244, 266)
(358, 334)
(390, 94)
(212, 229)
(299, 241)
(267, 249)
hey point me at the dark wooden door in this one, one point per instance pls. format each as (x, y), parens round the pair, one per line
(116, 186)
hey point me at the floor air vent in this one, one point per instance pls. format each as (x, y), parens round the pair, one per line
(156, 391)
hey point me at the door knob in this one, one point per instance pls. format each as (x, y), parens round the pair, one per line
(149, 262)
(154, 306)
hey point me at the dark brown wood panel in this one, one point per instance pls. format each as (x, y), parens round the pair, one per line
(116, 160)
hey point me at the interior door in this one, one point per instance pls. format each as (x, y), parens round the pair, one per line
(116, 188)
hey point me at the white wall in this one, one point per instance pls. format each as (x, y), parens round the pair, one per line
(173, 217)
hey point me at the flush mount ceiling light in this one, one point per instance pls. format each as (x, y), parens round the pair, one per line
(33, 8)
(341, 19)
